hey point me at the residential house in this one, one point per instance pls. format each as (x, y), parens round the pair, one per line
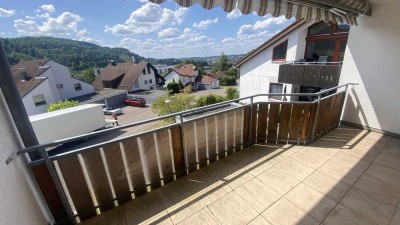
(207, 82)
(217, 74)
(128, 76)
(163, 69)
(42, 82)
(186, 74)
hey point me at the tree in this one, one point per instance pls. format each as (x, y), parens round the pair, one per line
(209, 100)
(167, 104)
(232, 93)
(88, 75)
(62, 105)
(173, 88)
(227, 81)
(221, 64)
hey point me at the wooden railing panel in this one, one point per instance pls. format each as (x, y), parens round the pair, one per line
(229, 117)
(201, 140)
(273, 120)
(134, 164)
(296, 121)
(220, 129)
(238, 128)
(311, 121)
(246, 125)
(211, 138)
(164, 154)
(177, 146)
(189, 144)
(262, 122)
(284, 121)
(118, 174)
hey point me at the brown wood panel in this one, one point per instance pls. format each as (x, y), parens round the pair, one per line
(177, 146)
(254, 124)
(117, 171)
(49, 191)
(211, 136)
(246, 125)
(335, 116)
(329, 121)
(320, 117)
(149, 149)
(221, 133)
(311, 120)
(296, 121)
(135, 168)
(273, 120)
(262, 122)
(230, 132)
(238, 128)
(164, 152)
(189, 143)
(98, 178)
(201, 140)
(284, 121)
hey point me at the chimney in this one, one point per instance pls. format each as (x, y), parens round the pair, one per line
(24, 76)
(113, 63)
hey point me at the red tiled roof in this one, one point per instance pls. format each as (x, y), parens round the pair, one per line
(186, 70)
(207, 79)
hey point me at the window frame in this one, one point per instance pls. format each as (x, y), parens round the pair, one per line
(277, 46)
(145, 82)
(59, 86)
(39, 103)
(144, 71)
(150, 81)
(279, 98)
(78, 87)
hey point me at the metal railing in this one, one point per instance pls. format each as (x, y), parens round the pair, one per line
(92, 179)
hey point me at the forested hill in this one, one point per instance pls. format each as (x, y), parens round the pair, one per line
(77, 55)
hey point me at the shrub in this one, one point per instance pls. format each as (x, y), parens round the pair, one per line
(232, 93)
(209, 100)
(173, 88)
(61, 105)
(228, 81)
(166, 104)
(188, 89)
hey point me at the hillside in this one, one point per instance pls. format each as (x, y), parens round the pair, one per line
(76, 55)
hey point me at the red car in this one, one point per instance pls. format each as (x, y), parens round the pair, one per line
(135, 102)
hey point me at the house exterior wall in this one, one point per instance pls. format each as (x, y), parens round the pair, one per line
(372, 60)
(19, 202)
(52, 84)
(142, 78)
(257, 73)
(44, 89)
(59, 74)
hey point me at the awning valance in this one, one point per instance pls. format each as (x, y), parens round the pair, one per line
(316, 10)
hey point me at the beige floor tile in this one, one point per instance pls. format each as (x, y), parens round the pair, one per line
(368, 207)
(213, 192)
(311, 201)
(396, 218)
(259, 221)
(327, 185)
(393, 162)
(183, 208)
(380, 189)
(384, 173)
(205, 217)
(310, 159)
(366, 154)
(351, 162)
(295, 168)
(323, 152)
(392, 147)
(114, 216)
(262, 165)
(146, 209)
(258, 195)
(232, 209)
(344, 216)
(339, 172)
(278, 180)
(283, 212)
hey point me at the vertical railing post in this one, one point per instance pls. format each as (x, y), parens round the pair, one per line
(251, 122)
(184, 144)
(315, 118)
(342, 104)
(58, 185)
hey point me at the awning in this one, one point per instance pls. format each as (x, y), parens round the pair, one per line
(315, 10)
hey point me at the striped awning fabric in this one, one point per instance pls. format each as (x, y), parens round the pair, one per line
(345, 11)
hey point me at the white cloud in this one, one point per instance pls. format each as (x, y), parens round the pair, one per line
(48, 8)
(205, 23)
(199, 39)
(169, 33)
(234, 14)
(64, 24)
(148, 19)
(6, 12)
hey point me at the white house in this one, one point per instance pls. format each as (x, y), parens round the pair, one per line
(128, 76)
(42, 82)
(186, 74)
(207, 83)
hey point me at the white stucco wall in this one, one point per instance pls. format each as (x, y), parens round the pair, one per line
(61, 75)
(257, 73)
(372, 59)
(44, 89)
(142, 78)
(19, 203)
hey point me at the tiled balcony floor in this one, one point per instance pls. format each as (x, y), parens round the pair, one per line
(349, 176)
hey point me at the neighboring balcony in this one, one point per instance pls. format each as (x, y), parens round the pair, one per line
(263, 162)
(312, 74)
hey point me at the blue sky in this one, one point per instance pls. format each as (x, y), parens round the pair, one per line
(159, 31)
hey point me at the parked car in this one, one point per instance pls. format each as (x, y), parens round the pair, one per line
(111, 110)
(135, 102)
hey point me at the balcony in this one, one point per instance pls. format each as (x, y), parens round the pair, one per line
(263, 162)
(324, 75)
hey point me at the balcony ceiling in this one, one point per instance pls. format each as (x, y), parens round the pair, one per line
(316, 10)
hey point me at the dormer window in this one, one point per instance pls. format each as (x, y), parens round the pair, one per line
(144, 71)
(279, 52)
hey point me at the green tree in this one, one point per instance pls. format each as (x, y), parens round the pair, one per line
(168, 104)
(222, 63)
(227, 81)
(173, 88)
(209, 100)
(88, 75)
(232, 93)
(62, 105)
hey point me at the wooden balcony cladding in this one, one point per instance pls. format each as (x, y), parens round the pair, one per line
(324, 76)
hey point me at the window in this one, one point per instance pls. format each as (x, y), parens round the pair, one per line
(320, 28)
(150, 81)
(145, 81)
(78, 87)
(148, 70)
(39, 100)
(59, 86)
(275, 88)
(144, 71)
(279, 52)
